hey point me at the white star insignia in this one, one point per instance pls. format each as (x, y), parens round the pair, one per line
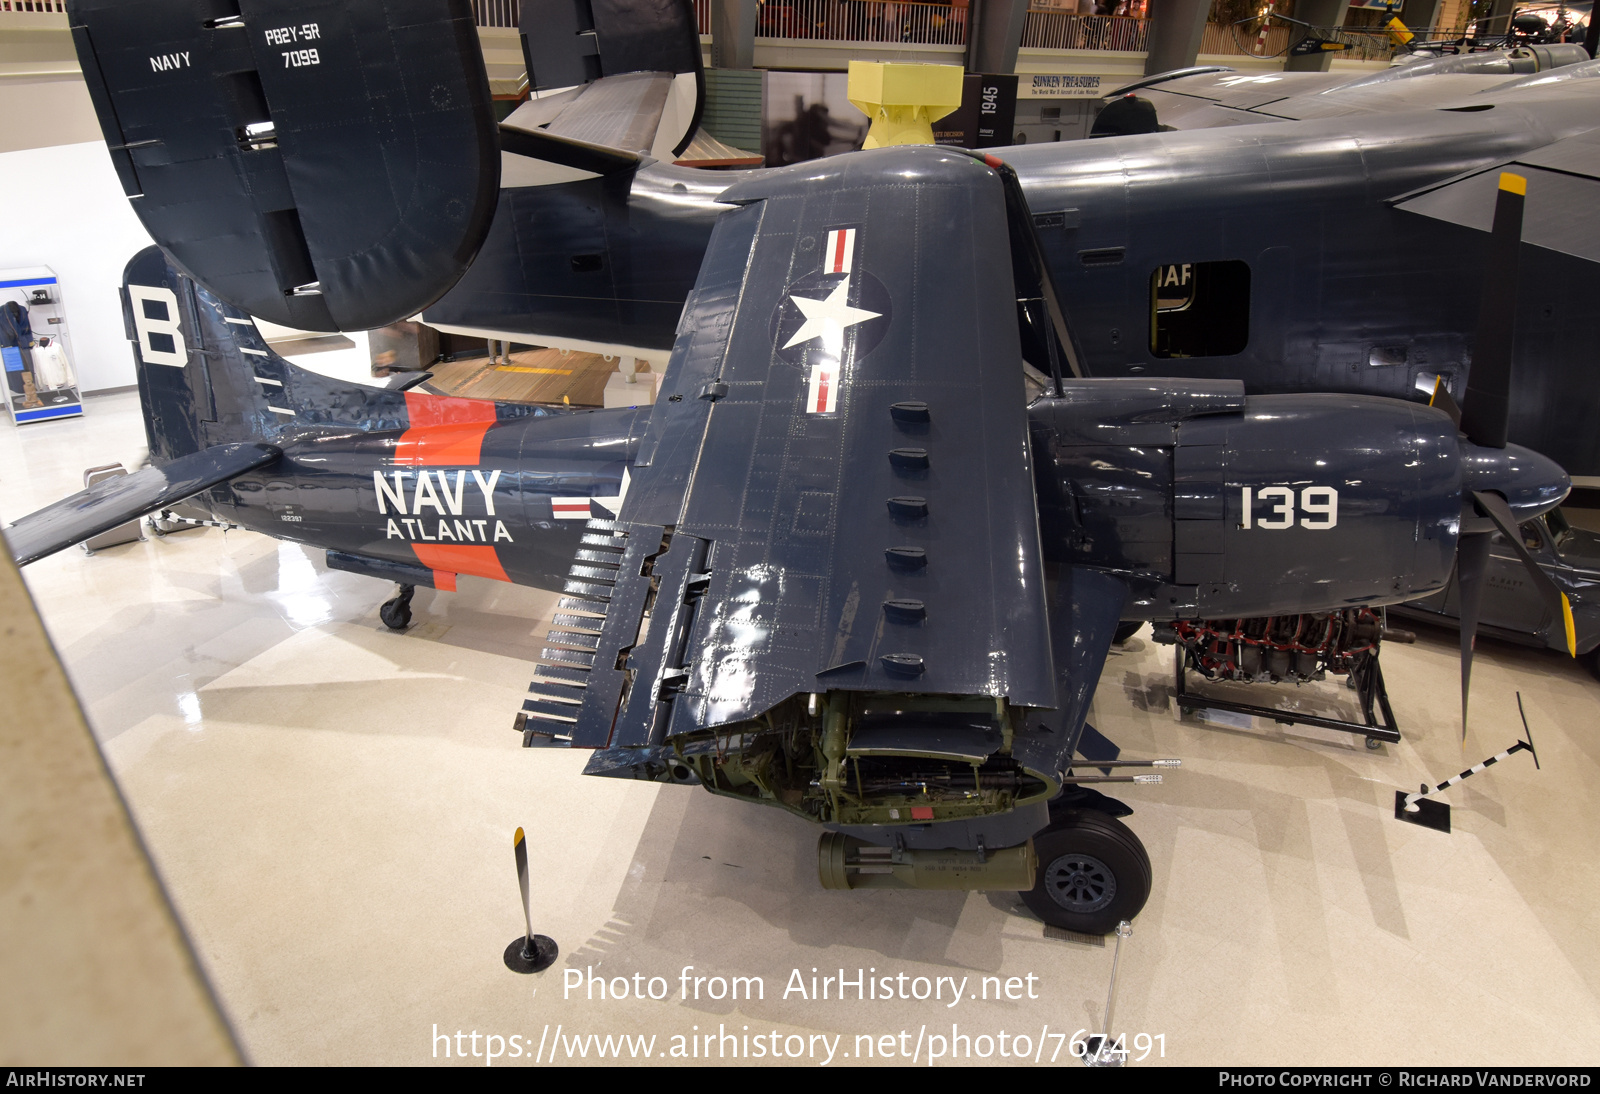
(614, 505)
(828, 319)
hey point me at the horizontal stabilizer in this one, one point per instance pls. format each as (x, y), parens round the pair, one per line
(540, 144)
(620, 112)
(114, 501)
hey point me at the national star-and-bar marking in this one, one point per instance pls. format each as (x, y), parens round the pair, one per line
(828, 319)
(841, 248)
(577, 508)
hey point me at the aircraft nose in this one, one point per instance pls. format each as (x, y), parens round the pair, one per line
(1531, 484)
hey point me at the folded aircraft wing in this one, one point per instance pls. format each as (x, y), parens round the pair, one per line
(835, 490)
(112, 501)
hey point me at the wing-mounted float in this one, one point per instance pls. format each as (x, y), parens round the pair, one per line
(825, 590)
(318, 164)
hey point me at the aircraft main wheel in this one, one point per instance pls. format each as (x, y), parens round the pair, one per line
(1126, 631)
(1093, 873)
(396, 613)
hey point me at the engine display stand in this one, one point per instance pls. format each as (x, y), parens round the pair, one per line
(1379, 724)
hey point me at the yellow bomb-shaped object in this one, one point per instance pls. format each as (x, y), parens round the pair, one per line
(902, 100)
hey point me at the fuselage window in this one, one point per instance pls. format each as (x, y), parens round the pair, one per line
(1199, 309)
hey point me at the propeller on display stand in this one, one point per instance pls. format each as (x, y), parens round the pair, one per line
(529, 952)
(1483, 416)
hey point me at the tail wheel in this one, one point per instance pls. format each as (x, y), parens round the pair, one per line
(1093, 873)
(396, 613)
(1126, 631)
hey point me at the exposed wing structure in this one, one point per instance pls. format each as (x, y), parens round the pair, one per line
(834, 497)
(111, 502)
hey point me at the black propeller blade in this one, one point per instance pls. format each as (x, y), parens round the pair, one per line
(1472, 558)
(1486, 406)
(1495, 508)
(1483, 416)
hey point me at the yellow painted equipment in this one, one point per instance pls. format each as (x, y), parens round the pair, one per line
(903, 101)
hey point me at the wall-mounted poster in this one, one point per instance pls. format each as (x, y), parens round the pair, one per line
(987, 115)
(807, 115)
(34, 347)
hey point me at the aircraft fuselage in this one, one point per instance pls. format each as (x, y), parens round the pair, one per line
(1322, 284)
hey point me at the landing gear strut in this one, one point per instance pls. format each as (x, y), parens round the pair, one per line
(1093, 872)
(396, 613)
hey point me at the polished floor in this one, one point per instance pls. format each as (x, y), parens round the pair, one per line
(331, 807)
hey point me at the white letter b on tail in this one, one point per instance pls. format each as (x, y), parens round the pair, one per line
(171, 326)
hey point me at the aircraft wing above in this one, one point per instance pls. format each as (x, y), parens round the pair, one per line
(113, 501)
(835, 491)
(1561, 209)
(1208, 98)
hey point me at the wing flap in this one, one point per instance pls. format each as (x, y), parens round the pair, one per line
(111, 502)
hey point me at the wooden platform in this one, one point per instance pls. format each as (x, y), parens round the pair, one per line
(533, 376)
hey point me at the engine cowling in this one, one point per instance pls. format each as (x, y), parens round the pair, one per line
(1213, 504)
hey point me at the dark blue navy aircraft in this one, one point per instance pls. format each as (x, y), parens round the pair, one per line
(844, 566)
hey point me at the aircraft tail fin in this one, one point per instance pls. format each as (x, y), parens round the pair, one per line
(206, 376)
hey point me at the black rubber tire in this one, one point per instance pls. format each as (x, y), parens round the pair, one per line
(396, 614)
(1126, 631)
(1093, 873)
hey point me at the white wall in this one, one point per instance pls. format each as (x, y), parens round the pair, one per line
(62, 207)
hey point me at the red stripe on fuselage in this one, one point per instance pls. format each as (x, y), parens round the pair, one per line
(480, 561)
(448, 432)
(444, 431)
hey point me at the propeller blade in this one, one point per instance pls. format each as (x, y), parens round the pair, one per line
(1472, 558)
(1442, 400)
(532, 952)
(1495, 508)
(1528, 733)
(521, 847)
(1486, 406)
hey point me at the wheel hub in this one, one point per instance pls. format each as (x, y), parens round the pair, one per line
(1080, 883)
